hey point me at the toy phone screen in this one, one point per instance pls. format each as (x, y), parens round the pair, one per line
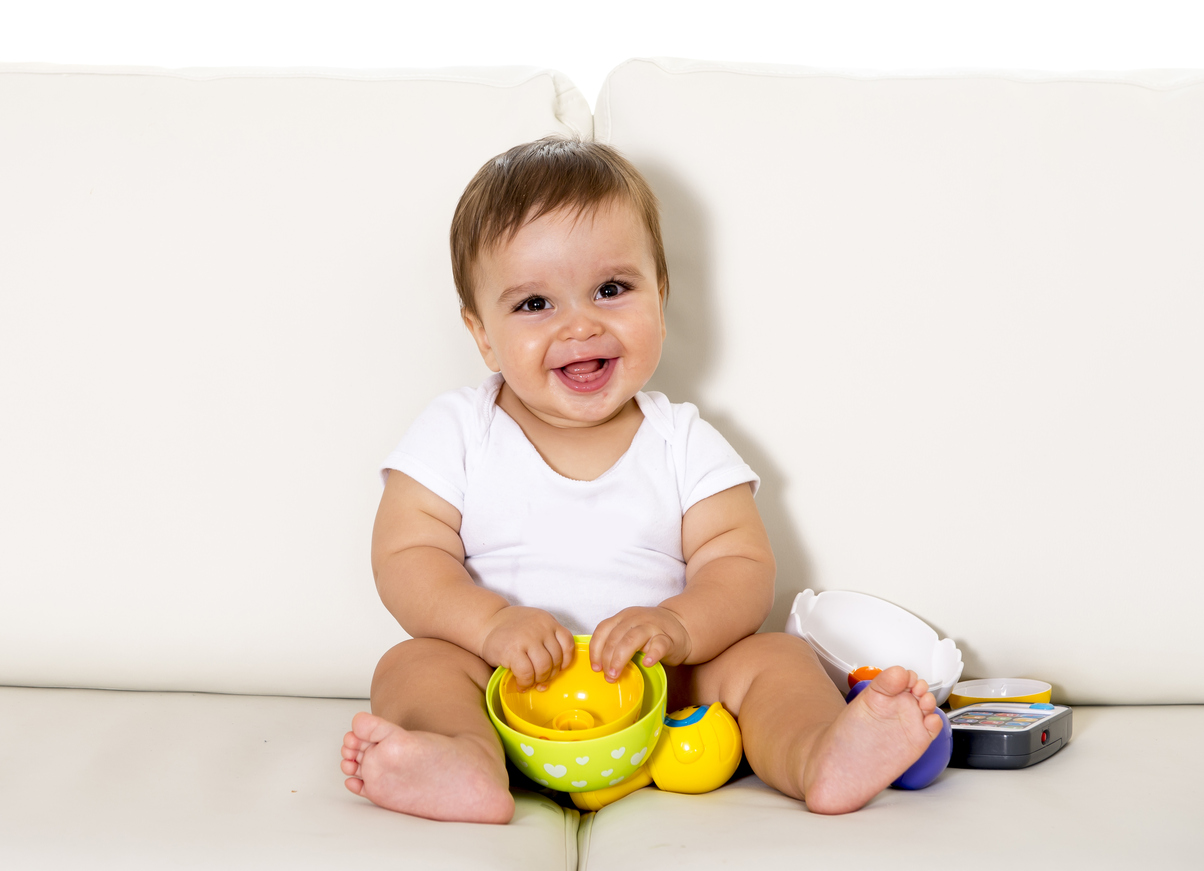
(998, 719)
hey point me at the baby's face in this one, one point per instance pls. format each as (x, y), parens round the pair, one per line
(571, 315)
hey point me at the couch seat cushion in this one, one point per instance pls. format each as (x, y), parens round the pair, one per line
(96, 779)
(1127, 792)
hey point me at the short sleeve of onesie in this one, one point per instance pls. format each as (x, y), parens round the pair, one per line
(711, 465)
(706, 464)
(435, 446)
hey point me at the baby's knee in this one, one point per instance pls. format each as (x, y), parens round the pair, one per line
(729, 676)
(771, 649)
(430, 656)
(412, 651)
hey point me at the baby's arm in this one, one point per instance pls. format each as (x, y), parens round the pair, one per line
(729, 591)
(418, 561)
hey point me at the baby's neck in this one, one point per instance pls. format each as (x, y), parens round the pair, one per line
(581, 453)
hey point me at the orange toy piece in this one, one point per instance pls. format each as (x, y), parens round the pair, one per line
(866, 672)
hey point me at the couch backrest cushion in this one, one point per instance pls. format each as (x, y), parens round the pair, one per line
(955, 321)
(223, 297)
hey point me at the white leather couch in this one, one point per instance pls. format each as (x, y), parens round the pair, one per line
(955, 321)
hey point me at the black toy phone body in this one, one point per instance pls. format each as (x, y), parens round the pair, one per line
(1007, 735)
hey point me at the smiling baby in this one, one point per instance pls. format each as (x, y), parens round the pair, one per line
(559, 498)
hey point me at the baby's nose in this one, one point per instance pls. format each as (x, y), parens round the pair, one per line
(582, 323)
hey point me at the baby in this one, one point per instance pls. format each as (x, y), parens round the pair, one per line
(559, 498)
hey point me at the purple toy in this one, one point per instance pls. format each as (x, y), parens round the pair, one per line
(935, 759)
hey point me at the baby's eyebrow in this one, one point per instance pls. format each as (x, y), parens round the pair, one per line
(625, 270)
(519, 291)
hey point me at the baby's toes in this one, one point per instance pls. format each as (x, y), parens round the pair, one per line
(370, 729)
(893, 681)
(362, 726)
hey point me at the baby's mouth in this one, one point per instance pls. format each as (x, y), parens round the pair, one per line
(585, 371)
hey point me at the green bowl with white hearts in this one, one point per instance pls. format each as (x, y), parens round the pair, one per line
(582, 766)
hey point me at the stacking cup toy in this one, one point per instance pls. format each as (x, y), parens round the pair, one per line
(577, 763)
(578, 704)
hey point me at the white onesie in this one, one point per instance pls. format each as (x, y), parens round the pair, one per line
(581, 550)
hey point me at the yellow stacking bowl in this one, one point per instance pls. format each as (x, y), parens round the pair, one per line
(578, 704)
(569, 762)
(999, 689)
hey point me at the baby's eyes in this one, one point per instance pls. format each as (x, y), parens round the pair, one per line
(609, 290)
(612, 289)
(532, 304)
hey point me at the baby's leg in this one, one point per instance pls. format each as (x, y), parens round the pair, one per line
(428, 747)
(799, 735)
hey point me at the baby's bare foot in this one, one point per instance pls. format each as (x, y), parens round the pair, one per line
(874, 739)
(425, 774)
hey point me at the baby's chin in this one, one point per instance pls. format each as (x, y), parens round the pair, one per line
(577, 411)
(574, 419)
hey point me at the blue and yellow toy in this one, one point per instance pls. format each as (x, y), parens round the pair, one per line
(698, 751)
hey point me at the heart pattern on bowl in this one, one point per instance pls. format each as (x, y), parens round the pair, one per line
(608, 772)
(555, 770)
(637, 758)
(618, 754)
(530, 751)
(582, 760)
(579, 783)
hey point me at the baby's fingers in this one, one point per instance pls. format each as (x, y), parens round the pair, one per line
(620, 649)
(568, 646)
(597, 643)
(523, 671)
(556, 660)
(542, 664)
(561, 647)
(656, 649)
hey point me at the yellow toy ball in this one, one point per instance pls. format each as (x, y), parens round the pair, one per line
(698, 750)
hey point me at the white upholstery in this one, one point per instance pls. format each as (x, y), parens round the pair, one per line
(154, 780)
(954, 322)
(1124, 794)
(225, 295)
(98, 779)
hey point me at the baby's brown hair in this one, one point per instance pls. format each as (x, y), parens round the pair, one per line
(535, 178)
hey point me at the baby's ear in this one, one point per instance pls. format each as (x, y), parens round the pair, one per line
(477, 329)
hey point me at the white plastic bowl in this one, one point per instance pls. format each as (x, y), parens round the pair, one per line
(849, 630)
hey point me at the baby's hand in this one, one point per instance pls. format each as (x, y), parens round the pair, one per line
(656, 631)
(528, 641)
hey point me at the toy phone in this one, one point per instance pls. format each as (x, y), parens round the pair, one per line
(1007, 734)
